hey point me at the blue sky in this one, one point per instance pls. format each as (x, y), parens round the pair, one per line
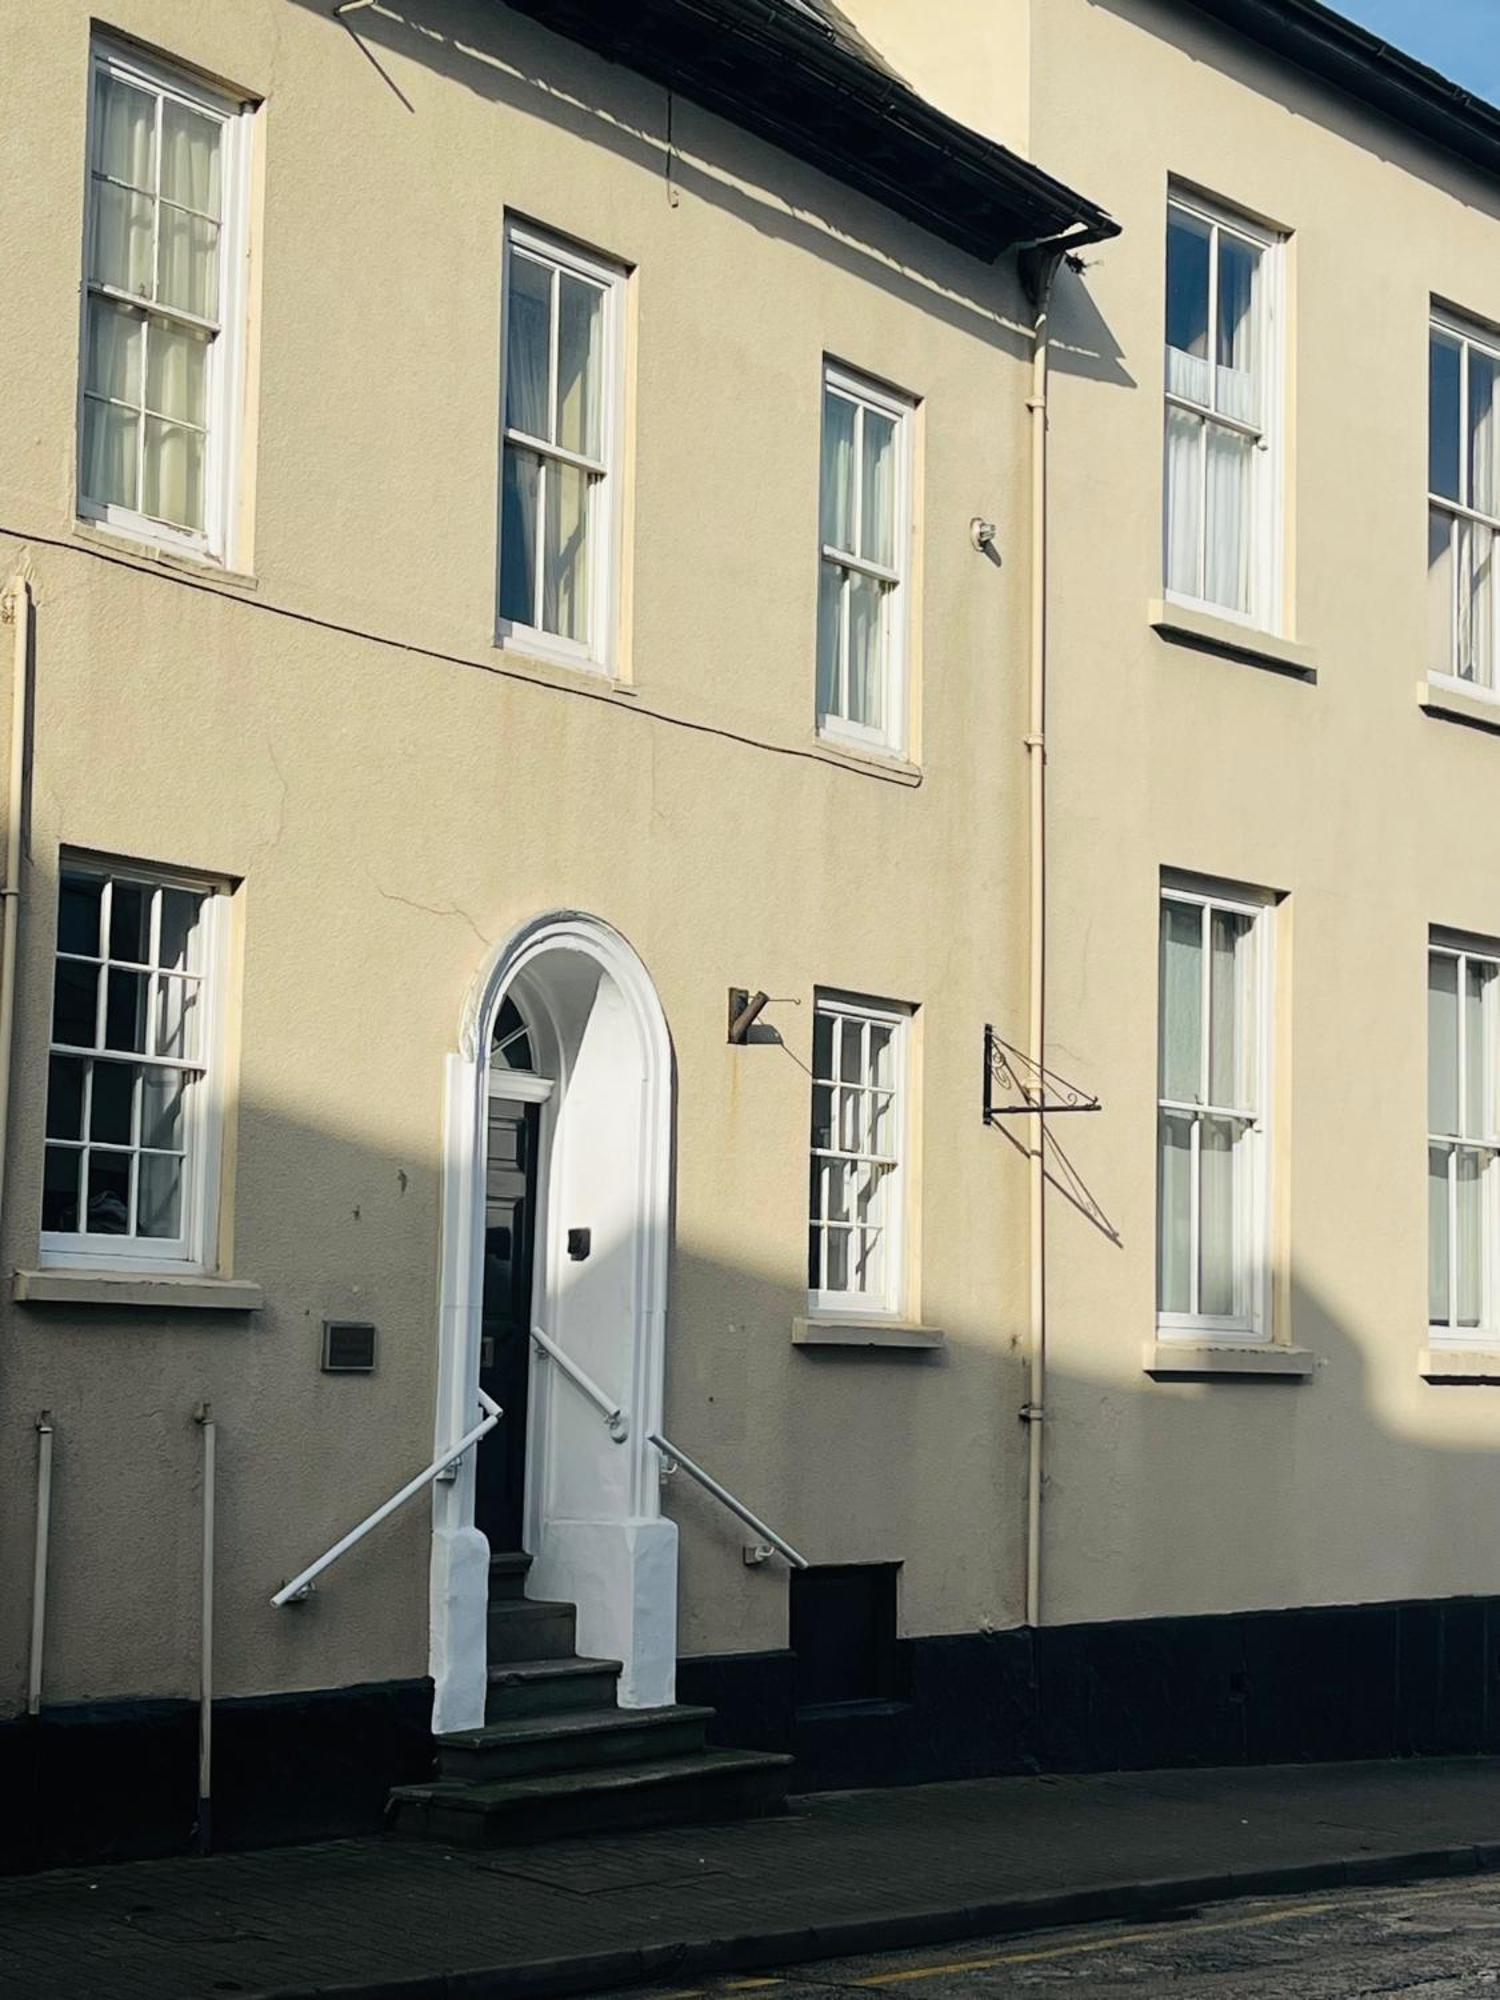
(1457, 37)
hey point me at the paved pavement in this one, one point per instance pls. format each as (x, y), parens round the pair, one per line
(1435, 1942)
(841, 1873)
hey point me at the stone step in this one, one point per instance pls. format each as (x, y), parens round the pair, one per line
(508, 1575)
(549, 1687)
(584, 1738)
(711, 1785)
(529, 1628)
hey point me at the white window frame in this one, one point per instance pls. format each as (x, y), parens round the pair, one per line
(224, 404)
(1254, 1185)
(1443, 1333)
(600, 653)
(896, 597)
(890, 1303)
(1469, 334)
(195, 1250)
(1267, 611)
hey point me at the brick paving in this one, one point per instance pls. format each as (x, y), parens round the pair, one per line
(382, 1918)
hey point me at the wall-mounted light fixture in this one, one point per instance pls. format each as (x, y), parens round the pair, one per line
(744, 1011)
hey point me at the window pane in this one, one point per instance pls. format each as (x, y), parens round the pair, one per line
(1442, 1043)
(1469, 1239)
(878, 490)
(78, 914)
(1441, 534)
(1230, 1074)
(836, 1250)
(838, 472)
(163, 1101)
(849, 1121)
(1237, 383)
(190, 158)
(112, 1103)
(75, 999)
(172, 474)
(177, 372)
(60, 1189)
(111, 447)
(528, 341)
(866, 651)
(160, 1196)
(1217, 1288)
(830, 638)
(565, 575)
(823, 1027)
(107, 1211)
(123, 226)
(124, 131)
(1443, 404)
(130, 922)
(851, 1051)
(65, 1097)
(1476, 603)
(1479, 1121)
(179, 943)
(882, 1124)
(116, 337)
(187, 254)
(1187, 284)
(1181, 1031)
(1174, 1215)
(177, 1008)
(520, 487)
(869, 1265)
(125, 1012)
(580, 331)
(1484, 434)
(822, 1115)
(882, 1052)
(1437, 1234)
(1227, 543)
(836, 1191)
(1183, 496)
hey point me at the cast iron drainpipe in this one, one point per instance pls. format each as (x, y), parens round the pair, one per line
(1038, 263)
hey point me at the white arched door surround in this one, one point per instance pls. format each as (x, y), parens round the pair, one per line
(594, 1524)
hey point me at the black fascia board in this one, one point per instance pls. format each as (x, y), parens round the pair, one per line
(1357, 62)
(779, 74)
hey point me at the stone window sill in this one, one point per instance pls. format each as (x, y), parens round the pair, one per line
(1183, 625)
(153, 1290)
(865, 1333)
(1201, 1360)
(1456, 704)
(1459, 1364)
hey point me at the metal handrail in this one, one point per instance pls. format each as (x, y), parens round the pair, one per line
(300, 1586)
(706, 1480)
(616, 1421)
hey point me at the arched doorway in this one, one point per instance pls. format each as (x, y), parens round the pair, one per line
(557, 1198)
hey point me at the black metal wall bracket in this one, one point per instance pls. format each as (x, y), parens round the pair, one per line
(1029, 1086)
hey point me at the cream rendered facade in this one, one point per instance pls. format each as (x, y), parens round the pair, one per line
(1312, 762)
(324, 723)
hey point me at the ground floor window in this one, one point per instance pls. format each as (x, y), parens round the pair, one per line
(1463, 1139)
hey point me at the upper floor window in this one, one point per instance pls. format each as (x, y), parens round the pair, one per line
(1463, 503)
(1213, 1059)
(1223, 377)
(131, 1172)
(859, 1142)
(560, 473)
(865, 541)
(162, 337)
(1463, 1142)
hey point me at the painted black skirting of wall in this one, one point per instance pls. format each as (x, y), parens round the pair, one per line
(107, 1781)
(1261, 1687)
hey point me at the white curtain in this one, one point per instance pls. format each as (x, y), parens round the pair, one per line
(1183, 500)
(1442, 1044)
(1218, 1147)
(527, 345)
(1441, 535)
(1174, 1215)
(837, 510)
(878, 489)
(1437, 1235)
(565, 572)
(580, 322)
(1226, 560)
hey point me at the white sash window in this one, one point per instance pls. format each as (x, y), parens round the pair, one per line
(1463, 505)
(1463, 1143)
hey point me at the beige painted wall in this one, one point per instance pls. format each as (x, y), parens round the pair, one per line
(395, 796)
(1375, 819)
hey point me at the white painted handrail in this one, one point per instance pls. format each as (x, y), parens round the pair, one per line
(616, 1421)
(706, 1480)
(301, 1585)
